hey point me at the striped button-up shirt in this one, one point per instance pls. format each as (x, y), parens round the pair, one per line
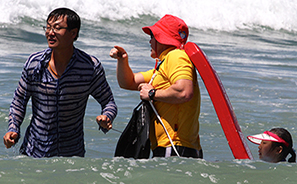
(58, 105)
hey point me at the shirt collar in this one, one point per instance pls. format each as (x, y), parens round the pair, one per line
(165, 52)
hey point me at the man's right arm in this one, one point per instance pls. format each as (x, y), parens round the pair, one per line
(125, 76)
(17, 111)
(9, 139)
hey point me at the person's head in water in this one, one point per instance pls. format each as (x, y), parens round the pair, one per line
(274, 145)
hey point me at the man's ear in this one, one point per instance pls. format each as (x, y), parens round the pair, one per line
(74, 32)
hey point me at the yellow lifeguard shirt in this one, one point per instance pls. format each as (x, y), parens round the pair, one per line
(180, 120)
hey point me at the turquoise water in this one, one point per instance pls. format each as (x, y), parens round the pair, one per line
(255, 57)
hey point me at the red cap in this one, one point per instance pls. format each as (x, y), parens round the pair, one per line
(169, 30)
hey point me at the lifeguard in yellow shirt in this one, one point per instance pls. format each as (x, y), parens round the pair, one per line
(174, 90)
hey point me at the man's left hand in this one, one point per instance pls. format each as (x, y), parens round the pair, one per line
(104, 122)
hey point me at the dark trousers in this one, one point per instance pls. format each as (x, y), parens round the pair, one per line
(182, 151)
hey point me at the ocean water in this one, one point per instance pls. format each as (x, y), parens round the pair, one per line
(251, 44)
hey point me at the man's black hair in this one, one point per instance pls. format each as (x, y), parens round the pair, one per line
(73, 20)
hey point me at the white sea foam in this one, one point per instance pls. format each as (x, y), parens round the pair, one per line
(224, 15)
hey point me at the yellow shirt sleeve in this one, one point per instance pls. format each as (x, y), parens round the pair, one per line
(147, 75)
(179, 66)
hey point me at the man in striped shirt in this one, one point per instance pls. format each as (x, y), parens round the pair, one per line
(59, 81)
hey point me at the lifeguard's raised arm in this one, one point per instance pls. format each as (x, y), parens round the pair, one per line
(126, 78)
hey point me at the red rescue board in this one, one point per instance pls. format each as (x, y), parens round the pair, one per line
(221, 103)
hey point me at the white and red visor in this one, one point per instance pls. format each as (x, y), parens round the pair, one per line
(266, 136)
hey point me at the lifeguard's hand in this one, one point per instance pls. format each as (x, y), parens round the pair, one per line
(144, 89)
(9, 139)
(104, 122)
(118, 53)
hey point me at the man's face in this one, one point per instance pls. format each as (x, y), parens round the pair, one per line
(57, 33)
(156, 47)
(153, 43)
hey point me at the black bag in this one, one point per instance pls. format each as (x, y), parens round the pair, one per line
(134, 141)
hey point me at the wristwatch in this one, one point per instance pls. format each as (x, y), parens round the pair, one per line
(152, 93)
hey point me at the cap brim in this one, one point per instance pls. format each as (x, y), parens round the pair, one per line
(161, 36)
(256, 139)
(147, 30)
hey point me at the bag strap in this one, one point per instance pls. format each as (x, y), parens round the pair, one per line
(157, 67)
